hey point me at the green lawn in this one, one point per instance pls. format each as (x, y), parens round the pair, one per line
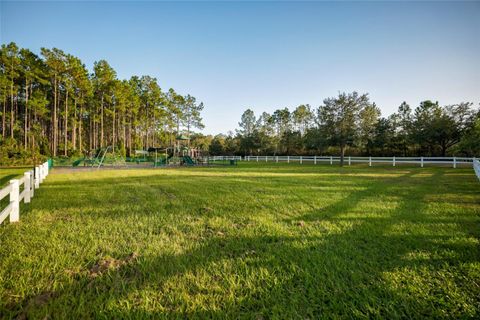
(254, 241)
(11, 173)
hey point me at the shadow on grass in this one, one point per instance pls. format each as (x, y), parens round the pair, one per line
(341, 274)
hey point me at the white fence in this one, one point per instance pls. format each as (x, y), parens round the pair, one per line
(31, 180)
(476, 167)
(221, 158)
(421, 161)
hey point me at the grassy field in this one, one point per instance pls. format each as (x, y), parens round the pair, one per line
(7, 174)
(254, 241)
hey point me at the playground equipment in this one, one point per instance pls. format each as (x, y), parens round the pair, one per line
(187, 160)
(100, 157)
(182, 148)
(177, 155)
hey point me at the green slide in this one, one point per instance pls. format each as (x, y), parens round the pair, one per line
(77, 162)
(188, 160)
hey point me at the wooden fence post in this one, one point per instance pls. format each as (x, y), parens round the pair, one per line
(14, 195)
(26, 187)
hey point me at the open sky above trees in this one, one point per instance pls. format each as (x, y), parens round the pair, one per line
(268, 56)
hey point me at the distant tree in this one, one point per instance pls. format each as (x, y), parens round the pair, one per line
(281, 120)
(232, 144)
(470, 142)
(368, 118)
(200, 141)
(265, 133)
(55, 61)
(11, 68)
(302, 118)
(339, 118)
(191, 114)
(292, 142)
(452, 124)
(402, 122)
(216, 147)
(248, 130)
(315, 140)
(437, 128)
(384, 136)
(247, 123)
(104, 84)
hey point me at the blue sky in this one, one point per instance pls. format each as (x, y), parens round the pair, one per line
(268, 55)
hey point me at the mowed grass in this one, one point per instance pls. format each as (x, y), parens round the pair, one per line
(255, 241)
(8, 174)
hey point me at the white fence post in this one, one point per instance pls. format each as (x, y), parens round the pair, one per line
(301, 160)
(331, 160)
(276, 159)
(288, 159)
(369, 161)
(454, 162)
(266, 158)
(349, 160)
(32, 183)
(314, 159)
(421, 162)
(257, 158)
(37, 177)
(26, 187)
(393, 161)
(42, 173)
(14, 195)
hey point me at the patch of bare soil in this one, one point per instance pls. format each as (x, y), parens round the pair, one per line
(109, 263)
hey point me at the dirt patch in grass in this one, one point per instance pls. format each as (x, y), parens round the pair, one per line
(109, 263)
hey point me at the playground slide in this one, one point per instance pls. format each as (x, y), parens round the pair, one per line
(188, 160)
(77, 162)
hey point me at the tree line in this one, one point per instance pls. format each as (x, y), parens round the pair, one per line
(52, 105)
(351, 123)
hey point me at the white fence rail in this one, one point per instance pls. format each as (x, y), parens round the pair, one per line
(421, 161)
(221, 158)
(30, 181)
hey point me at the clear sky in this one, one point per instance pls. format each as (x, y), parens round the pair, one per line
(268, 55)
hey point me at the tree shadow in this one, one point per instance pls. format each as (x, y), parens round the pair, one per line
(340, 274)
